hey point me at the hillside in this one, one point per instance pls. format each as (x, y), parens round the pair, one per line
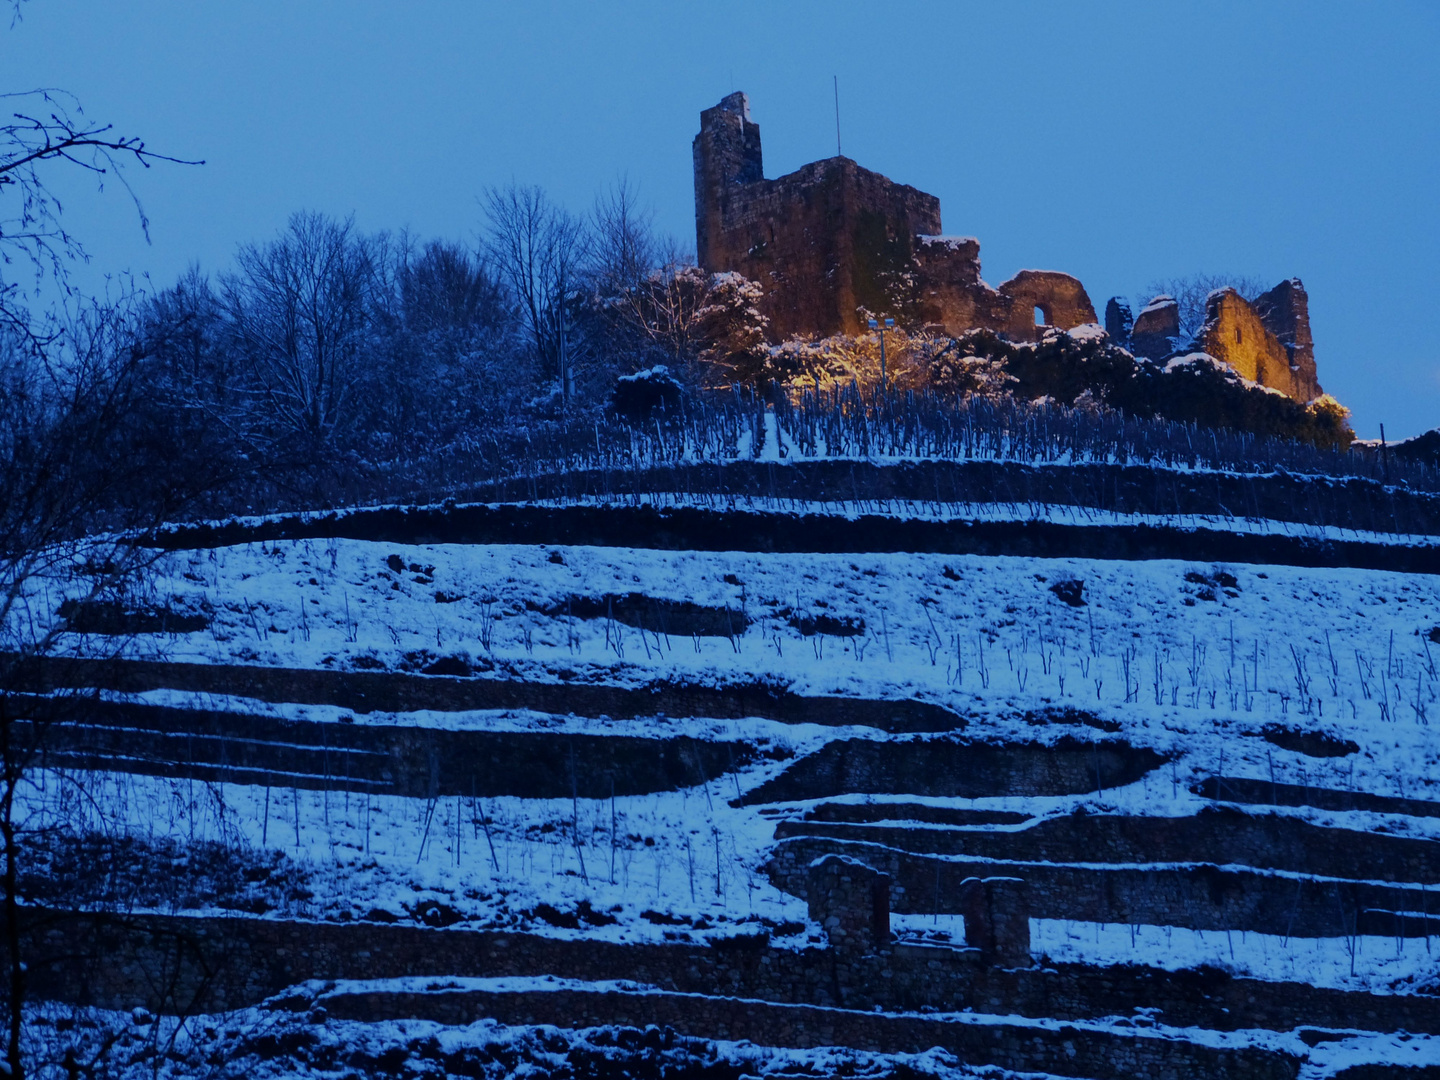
(767, 761)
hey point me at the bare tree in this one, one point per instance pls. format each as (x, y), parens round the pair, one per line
(68, 399)
(299, 308)
(445, 352)
(43, 131)
(661, 307)
(624, 250)
(658, 317)
(447, 289)
(539, 251)
(77, 478)
(1191, 292)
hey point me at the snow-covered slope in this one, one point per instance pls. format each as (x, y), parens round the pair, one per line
(1217, 771)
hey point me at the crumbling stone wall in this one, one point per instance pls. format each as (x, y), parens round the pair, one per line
(1194, 895)
(1156, 328)
(823, 241)
(1118, 319)
(832, 239)
(1059, 298)
(1236, 335)
(1285, 311)
(833, 243)
(1267, 341)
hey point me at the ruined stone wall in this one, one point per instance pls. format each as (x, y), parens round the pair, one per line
(851, 903)
(833, 243)
(727, 155)
(1235, 335)
(1267, 341)
(824, 241)
(1156, 328)
(1060, 298)
(1285, 311)
(832, 239)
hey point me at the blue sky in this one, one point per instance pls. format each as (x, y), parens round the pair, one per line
(1120, 142)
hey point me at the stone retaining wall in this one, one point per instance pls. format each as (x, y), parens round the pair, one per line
(1058, 1049)
(1199, 896)
(179, 963)
(1222, 836)
(390, 691)
(1343, 502)
(398, 759)
(952, 767)
(1272, 793)
(696, 529)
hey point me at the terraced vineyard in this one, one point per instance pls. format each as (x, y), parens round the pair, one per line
(627, 784)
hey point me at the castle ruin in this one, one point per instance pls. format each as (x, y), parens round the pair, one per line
(833, 244)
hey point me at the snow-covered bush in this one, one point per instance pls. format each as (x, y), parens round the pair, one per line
(646, 395)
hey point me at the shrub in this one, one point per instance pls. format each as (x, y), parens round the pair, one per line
(646, 395)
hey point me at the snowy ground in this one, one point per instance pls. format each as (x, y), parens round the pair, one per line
(1189, 659)
(1346, 647)
(1185, 658)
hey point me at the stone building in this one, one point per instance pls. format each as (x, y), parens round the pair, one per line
(833, 241)
(833, 244)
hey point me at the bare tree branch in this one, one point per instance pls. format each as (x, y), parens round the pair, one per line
(47, 128)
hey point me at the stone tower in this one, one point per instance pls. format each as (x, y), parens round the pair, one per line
(727, 154)
(823, 242)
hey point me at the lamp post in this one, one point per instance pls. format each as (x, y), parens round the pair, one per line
(875, 325)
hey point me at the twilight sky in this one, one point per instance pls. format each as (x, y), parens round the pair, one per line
(1120, 142)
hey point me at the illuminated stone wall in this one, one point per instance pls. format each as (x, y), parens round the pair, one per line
(834, 243)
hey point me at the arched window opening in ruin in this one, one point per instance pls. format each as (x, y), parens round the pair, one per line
(1237, 335)
(1041, 319)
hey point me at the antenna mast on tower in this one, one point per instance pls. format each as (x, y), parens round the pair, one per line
(837, 114)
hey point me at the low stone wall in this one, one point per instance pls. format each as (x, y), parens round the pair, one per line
(1345, 502)
(997, 918)
(851, 903)
(397, 759)
(954, 767)
(1221, 836)
(181, 963)
(1272, 793)
(389, 691)
(695, 529)
(1198, 896)
(909, 811)
(1057, 1049)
